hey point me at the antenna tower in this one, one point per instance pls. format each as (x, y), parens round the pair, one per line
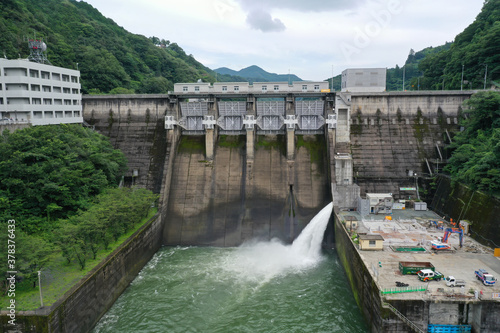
(38, 51)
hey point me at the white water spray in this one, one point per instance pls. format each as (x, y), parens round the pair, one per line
(309, 241)
(262, 261)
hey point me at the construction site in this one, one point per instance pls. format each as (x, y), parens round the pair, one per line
(422, 236)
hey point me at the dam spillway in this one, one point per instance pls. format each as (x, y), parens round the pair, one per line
(229, 200)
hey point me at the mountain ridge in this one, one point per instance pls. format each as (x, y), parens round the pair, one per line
(255, 73)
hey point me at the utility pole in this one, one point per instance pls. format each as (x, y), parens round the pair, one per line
(485, 74)
(40, 287)
(462, 82)
(332, 78)
(404, 74)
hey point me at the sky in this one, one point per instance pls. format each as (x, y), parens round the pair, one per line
(309, 38)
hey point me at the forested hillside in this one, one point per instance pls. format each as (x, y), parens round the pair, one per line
(476, 150)
(476, 51)
(108, 56)
(257, 74)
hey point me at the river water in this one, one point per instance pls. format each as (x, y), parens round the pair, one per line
(257, 287)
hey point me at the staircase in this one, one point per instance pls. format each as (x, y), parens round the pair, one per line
(407, 321)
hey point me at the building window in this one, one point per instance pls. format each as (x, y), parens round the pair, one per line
(66, 90)
(35, 87)
(45, 75)
(316, 87)
(47, 101)
(36, 101)
(304, 87)
(276, 88)
(34, 73)
(67, 102)
(236, 88)
(46, 88)
(74, 79)
(224, 88)
(57, 89)
(184, 89)
(197, 89)
(372, 243)
(264, 88)
(65, 78)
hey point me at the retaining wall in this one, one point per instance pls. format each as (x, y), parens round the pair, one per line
(460, 202)
(82, 307)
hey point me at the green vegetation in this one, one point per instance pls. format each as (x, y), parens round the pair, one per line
(476, 159)
(57, 185)
(50, 172)
(108, 56)
(232, 141)
(316, 146)
(191, 143)
(257, 74)
(58, 276)
(269, 142)
(477, 46)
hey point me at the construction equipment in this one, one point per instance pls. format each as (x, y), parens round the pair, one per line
(448, 231)
(437, 224)
(443, 243)
(413, 267)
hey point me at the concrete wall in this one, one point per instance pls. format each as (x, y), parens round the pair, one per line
(82, 307)
(392, 133)
(232, 199)
(135, 125)
(460, 202)
(13, 127)
(366, 292)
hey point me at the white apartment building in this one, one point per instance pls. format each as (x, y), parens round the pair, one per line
(39, 94)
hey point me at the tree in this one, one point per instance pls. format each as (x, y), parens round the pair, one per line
(476, 157)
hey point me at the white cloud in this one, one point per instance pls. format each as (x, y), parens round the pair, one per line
(261, 20)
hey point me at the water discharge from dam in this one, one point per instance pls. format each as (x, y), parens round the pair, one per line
(257, 287)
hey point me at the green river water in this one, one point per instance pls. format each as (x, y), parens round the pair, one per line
(257, 287)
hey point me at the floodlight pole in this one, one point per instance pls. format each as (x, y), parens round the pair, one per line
(40, 287)
(485, 74)
(462, 82)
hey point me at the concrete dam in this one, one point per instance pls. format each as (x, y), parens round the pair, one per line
(231, 167)
(235, 166)
(241, 164)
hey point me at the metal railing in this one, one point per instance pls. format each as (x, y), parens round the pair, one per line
(399, 290)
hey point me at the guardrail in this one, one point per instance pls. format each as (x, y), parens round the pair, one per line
(398, 290)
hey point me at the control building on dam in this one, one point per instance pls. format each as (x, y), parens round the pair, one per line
(235, 161)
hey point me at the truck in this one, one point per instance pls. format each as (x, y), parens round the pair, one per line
(413, 267)
(452, 282)
(429, 275)
(486, 278)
